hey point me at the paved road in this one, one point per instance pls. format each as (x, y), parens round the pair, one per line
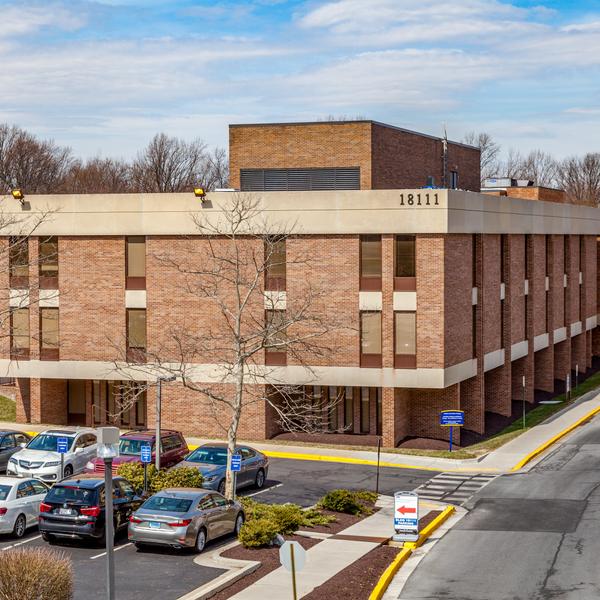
(168, 574)
(531, 536)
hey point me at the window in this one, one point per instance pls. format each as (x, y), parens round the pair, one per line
(49, 340)
(219, 500)
(349, 410)
(206, 503)
(271, 180)
(18, 257)
(405, 264)
(19, 332)
(275, 352)
(370, 262)
(25, 489)
(7, 442)
(275, 258)
(247, 453)
(48, 263)
(170, 442)
(453, 180)
(136, 334)
(21, 439)
(370, 339)
(38, 487)
(126, 488)
(364, 409)
(502, 258)
(135, 262)
(405, 340)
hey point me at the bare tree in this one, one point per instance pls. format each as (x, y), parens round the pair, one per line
(35, 166)
(490, 153)
(216, 172)
(226, 268)
(580, 178)
(169, 164)
(98, 176)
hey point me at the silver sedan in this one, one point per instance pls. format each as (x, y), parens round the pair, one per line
(184, 518)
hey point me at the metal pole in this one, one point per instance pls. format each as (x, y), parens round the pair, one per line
(523, 401)
(109, 532)
(293, 572)
(145, 478)
(62, 466)
(157, 445)
(378, 456)
(451, 430)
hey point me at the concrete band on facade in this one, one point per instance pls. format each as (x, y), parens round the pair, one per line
(332, 213)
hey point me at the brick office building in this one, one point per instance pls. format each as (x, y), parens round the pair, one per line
(451, 297)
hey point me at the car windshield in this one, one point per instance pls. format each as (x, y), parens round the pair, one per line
(66, 493)
(47, 442)
(4, 491)
(129, 447)
(215, 456)
(168, 504)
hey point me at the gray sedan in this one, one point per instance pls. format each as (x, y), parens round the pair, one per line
(10, 442)
(211, 461)
(184, 518)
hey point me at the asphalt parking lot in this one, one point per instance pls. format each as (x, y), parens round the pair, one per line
(167, 574)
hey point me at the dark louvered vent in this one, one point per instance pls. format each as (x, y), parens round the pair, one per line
(283, 180)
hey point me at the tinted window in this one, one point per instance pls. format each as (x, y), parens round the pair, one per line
(204, 454)
(4, 491)
(24, 490)
(46, 442)
(247, 453)
(63, 493)
(89, 439)
(21, 439)
(170, 442)
(219, 500)
(7, 442)
(126, 488)
(167, 504)
(38, 487)
(206, 502)
(131, 447)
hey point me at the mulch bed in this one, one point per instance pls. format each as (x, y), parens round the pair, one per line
(356, 581)
(269, 559)
(342, 522)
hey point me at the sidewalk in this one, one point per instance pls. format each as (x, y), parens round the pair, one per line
(330, 556)
(499, 461)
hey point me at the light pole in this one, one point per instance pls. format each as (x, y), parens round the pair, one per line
(157, 446)
(523, 401)
(108, 448)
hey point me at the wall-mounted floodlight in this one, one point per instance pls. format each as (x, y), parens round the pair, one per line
(200, 193)
(17, 194)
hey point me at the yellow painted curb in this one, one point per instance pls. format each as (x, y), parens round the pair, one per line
(554, 439)
(388, 574)
(403, 555)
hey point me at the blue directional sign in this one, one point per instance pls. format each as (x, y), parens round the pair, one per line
(146, 453)
(449, 418)
(236, 462)
(62, 445)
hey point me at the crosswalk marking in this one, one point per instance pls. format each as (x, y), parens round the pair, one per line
(452, 487)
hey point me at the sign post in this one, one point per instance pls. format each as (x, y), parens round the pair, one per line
(62, 447)
(236, 467)
(450, 418)
(292, 557)
(406, 517)
(146, 458)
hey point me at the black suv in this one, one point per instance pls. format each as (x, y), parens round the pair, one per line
(75, 507)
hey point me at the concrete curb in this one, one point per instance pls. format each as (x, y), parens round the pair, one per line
(529, 457)
(404, 554)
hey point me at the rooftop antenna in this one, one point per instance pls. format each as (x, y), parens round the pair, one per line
(445, 158)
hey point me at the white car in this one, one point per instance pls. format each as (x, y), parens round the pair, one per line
(20, 504)
(40, 459)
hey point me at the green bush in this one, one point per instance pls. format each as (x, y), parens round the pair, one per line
(257, 533)
(313, 518)
(35, 573)
(346, 501)
(159, 480)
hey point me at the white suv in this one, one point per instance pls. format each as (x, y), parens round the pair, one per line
(40, 459)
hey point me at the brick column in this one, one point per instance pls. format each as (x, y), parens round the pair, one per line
(35, 400)
(23, 400)
(544, 369)
(387, 292)
(34, 295)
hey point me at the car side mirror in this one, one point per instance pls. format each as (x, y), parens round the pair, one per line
(22, 444)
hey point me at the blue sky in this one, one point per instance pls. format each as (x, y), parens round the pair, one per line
(104, 76)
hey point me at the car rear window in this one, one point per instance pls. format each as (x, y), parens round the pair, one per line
(64, 493)
(168, 504)
(205, 454)
(4, 491)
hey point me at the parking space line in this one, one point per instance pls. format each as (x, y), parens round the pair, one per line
(263, 491)
(37, 537)
(116, 549)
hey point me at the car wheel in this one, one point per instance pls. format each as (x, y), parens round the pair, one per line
(239, 521)
(20, 526)
(139, 546)
(68, 471)
(48, 537)
(221, 488)
(260, 479)
(201, 540)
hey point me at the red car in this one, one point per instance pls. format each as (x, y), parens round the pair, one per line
(174, 449)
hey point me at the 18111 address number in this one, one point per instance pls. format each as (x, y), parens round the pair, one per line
(419, 199)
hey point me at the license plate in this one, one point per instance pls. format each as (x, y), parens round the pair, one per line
(154, 525)
(65, 511)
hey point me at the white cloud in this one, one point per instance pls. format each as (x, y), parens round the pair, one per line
(25, 19)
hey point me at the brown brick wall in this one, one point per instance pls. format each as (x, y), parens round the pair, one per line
(92, 297)
(425, 407)
(538, 193)
(301, 145)
(556, 280)
(490, 294)
(537, 284)
(498, 388)
(515, 287)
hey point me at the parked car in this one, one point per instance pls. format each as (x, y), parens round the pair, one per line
(40, 459)
(174, 449)
(184, 518)
(75, 508)
(19, 504)
(10, 442)
(211, 461)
